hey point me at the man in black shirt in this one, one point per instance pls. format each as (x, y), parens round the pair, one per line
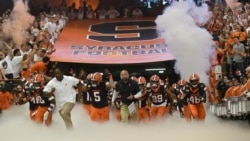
(129, 91)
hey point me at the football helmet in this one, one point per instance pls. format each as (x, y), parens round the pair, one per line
(134, 78)
(194, 80)
(154, 80)
(142, 80)
(96, 78)
(38, 81)
(182, 82)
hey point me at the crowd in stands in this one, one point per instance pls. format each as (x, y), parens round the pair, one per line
(107, 10)
(103, 12)
(19, 63)
(231, 32)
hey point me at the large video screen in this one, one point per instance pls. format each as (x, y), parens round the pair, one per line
(154, 3)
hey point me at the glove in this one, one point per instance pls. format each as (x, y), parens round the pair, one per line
(203, 99)
(46, 114)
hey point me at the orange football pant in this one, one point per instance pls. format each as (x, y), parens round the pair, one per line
(186, 112)
(40, 114)
(157, 112)
(142, 114)
(99, 114)
(198, 111)
(118, 115)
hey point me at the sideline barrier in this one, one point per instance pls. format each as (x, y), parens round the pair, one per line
(232, 107)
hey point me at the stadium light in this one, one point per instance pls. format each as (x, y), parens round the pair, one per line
(161, 71)
(156, 69)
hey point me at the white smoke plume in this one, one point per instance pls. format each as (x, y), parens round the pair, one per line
(16, 126)
(19, 22)
(190, 44)
(201, 14)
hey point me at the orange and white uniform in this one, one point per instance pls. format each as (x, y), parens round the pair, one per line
(142, 113)
(195, 92)
(43, 113)
(99, 96)
(157, 98)
(182, 102)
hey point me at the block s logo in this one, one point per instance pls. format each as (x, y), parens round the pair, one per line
(123, 31)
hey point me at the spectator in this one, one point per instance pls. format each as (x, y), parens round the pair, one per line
(113, 13)
(101, 13)
(5, 63)
(80, 14)
(17, 61)
(25, 49)
(62, 21)
(42, 21)
(72, 11)
(40, 67)
(137, 13)
(90, 12)
(247, 56)
(5, 96)
(85, 9)
(35, 29)
(238, 55)
(51, 28)
(39, 55)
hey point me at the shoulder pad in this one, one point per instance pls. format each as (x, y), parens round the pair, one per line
(202, 85)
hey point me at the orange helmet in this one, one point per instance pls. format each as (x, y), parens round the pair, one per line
(194, 76)
(175, 89)
(142, 80)
(154, 81)
(96, 77)
(194, 80)
(182, 82)
(38, 78)
(38, 81)
(155, 77)
(134, 78)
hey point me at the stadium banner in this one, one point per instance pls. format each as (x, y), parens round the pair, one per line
(109, 41)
